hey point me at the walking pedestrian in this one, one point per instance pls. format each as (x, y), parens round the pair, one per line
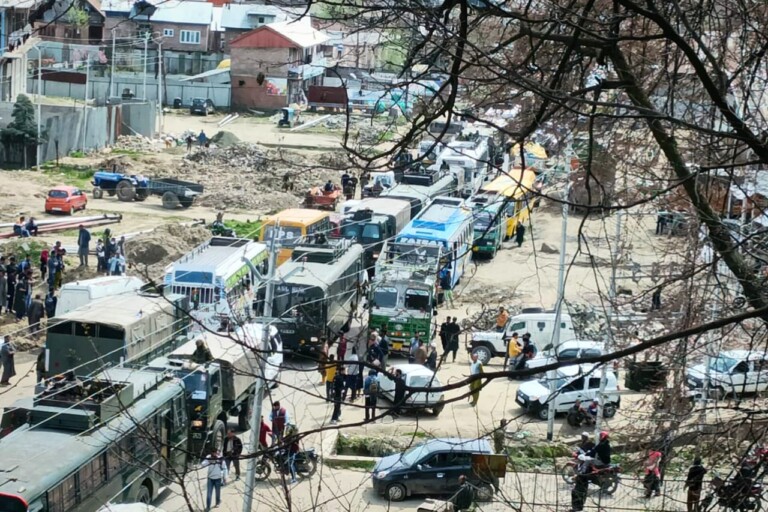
(20, 297)
(421, 354)
(50, 303)
(43, 263)
(652, 473)
(35, 313)
(189, 141)
(371, 392)
(399, 392)
(83, 245)
(447, 286)
(352, 371)
(384, 346)
(444, 333)
(341, 350)
(415, 344)
(453, 340)
(656, 298)
(520, 234)
(217, 475)
(330, 374)
(233, 448)
(694, 483)
(279, 419)
(7, 351)
(202, 138)
(339, 381)
(40, 366)
(476, 368)
(264, 434)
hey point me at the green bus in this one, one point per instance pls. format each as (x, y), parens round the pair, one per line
(403, 293)
(489, 224)
(117, 438)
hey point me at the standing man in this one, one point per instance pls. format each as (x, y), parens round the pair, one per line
(352, 371)
(432, 358)
(520, 234)
(693, 483)
(656, 298)
(384, 347)
(7, 352)
(202, 138)
(339, 380)
(11, 271)
(415, 344)
(476, 368)
(217, 471)
(83, 245)
(3, 291)
(264, 433)
(189, 142)
(453, 337)
(513, 351)
(371, 391)
(447, 287)
(233, 447)
(279, 419)
(35, 313)
(501, 319)
(444, 333)
(421, 355)
(399, 392)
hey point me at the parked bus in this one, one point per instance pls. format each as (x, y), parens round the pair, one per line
(372, 221)
(446, 223)
(115, 330)
(468, 158)
(219, 277)
(516, 191)
(490, 225)
(419, 188)
(403, 292)
(294, 223)
(122, 443)
(317, 294)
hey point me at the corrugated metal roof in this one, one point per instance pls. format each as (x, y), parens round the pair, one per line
(190, 12)
(236, 16)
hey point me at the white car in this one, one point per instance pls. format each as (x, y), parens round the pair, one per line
(578, 382)
(416, 376)
(567, 351)
(732, 372)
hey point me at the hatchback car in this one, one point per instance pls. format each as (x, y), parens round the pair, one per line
(416, 376)
(65, 199)
(201, 106)
(433, 468)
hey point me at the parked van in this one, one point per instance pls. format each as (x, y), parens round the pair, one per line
(579, 382)
(732, 372)
(567, 351)
(541, 325)
(80, 293)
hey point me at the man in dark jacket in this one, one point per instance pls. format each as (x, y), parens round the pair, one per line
(35, 313)
(399, 392)
(465, 496)
(453, 338)
(338, 390)
(444, 329)
(202, 354)
(694, 483)
(233, 447)
(50, 304)
(83, 245)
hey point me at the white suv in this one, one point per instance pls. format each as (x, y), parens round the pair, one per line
(568, 351)
(732, 372)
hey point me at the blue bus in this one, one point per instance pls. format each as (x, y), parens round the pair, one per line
(446, 223)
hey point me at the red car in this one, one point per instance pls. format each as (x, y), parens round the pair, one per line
(65, 199)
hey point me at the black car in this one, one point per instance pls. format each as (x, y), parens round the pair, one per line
(202, 106)
(432, 468)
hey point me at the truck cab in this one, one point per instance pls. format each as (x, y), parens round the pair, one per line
(202, 384)
(541, 326)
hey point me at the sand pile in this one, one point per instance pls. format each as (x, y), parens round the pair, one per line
(148, 254)
(225, 138)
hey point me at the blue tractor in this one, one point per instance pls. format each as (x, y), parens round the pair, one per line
(127, 187)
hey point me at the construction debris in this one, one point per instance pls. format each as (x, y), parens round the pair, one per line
(148, 254)
(135, 143)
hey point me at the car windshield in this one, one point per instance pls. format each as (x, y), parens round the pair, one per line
(384, 180)
(423, 381)
(288, 236)
(57, 193)
(416, 299)
(415, 454)
(198, 102)
(385, 297)
(722, 364)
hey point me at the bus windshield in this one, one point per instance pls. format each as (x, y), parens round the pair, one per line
(385, 297)
(371, 233)
(288, 236)
(416, 299)
(482, 222)
(196, 385)
(298, 302)
(351, 231)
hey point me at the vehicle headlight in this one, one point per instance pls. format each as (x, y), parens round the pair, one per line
(382, 474)
(197, 423)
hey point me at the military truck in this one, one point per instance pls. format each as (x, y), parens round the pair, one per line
(121, 329)
(224, 386)
(372, 221)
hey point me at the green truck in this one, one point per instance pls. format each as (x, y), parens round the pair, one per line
(403, 293)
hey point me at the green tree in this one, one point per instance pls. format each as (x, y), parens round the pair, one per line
(22, 131)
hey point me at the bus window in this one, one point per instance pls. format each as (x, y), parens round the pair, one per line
(416, 299)
(288, 235)
(371, 233)
(385, 297)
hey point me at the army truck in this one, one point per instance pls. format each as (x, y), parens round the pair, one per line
(224, 386)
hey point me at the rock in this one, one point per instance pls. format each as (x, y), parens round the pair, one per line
(548, 249)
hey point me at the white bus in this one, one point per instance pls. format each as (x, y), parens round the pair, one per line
(219, 277)
(468, 159)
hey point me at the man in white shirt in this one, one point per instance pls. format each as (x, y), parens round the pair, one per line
(217, 475)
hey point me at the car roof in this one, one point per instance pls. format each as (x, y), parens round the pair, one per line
(459, 444)
(412, 369)
(580, 344)
(68, 188)
(749, 355)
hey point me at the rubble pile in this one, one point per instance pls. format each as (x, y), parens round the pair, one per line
(485, 319)
(588, 322)
(136, 143)
(225, 139)
(148, 254)
(244, 157)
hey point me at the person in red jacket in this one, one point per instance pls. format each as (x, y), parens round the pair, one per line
(264, 434)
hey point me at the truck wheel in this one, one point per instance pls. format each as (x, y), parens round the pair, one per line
(125, 191)
(217, 436)
(98, 193)
(111, 193)
(170, 201)
(484, 492)
(186, 203)
(483, 353)
(144, 495)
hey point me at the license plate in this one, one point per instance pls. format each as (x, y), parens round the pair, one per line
(56, 209)
(397, 346)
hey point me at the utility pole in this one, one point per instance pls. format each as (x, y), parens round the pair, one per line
(112, 73)
(269, 293)
(39, 104)
(160, 84)
(85, 102)
(144, 86)
(610, 343)
(552, 374)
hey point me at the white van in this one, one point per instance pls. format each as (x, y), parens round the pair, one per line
(578, 382)
(541, 325)
(731, 372)
(80, 293)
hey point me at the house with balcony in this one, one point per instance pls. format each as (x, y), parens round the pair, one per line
(71, 20)
(272, 66)
(238, 18)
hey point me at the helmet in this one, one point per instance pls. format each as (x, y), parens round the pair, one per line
(604, 435)
(585, 434)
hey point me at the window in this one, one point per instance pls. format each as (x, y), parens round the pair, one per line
(92, 476)
(261, 20)
(594, 383)
(570, 353)
(517, 326)
(742, 367)
(168, 32)
(189, 37)
(575, 385)
(85, 329)
(591, 352)
(63, 497)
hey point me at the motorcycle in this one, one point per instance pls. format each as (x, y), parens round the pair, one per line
(607, 478)
(571, 468)
(734, 496)
(306, 464)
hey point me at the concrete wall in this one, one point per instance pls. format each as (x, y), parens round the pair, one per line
(99, 88)
(139, 118)
(247, 93)
(252, 61)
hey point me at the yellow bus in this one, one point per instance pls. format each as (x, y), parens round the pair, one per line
(294, 223)
(518, 186)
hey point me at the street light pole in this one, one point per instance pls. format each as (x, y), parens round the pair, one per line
(144, 86)
(39, 104)
(160, 84)
(112, 73)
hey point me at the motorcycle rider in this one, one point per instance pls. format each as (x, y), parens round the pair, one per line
(601, 457)
(586, 442)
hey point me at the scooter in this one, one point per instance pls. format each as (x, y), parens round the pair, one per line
(607, 478)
